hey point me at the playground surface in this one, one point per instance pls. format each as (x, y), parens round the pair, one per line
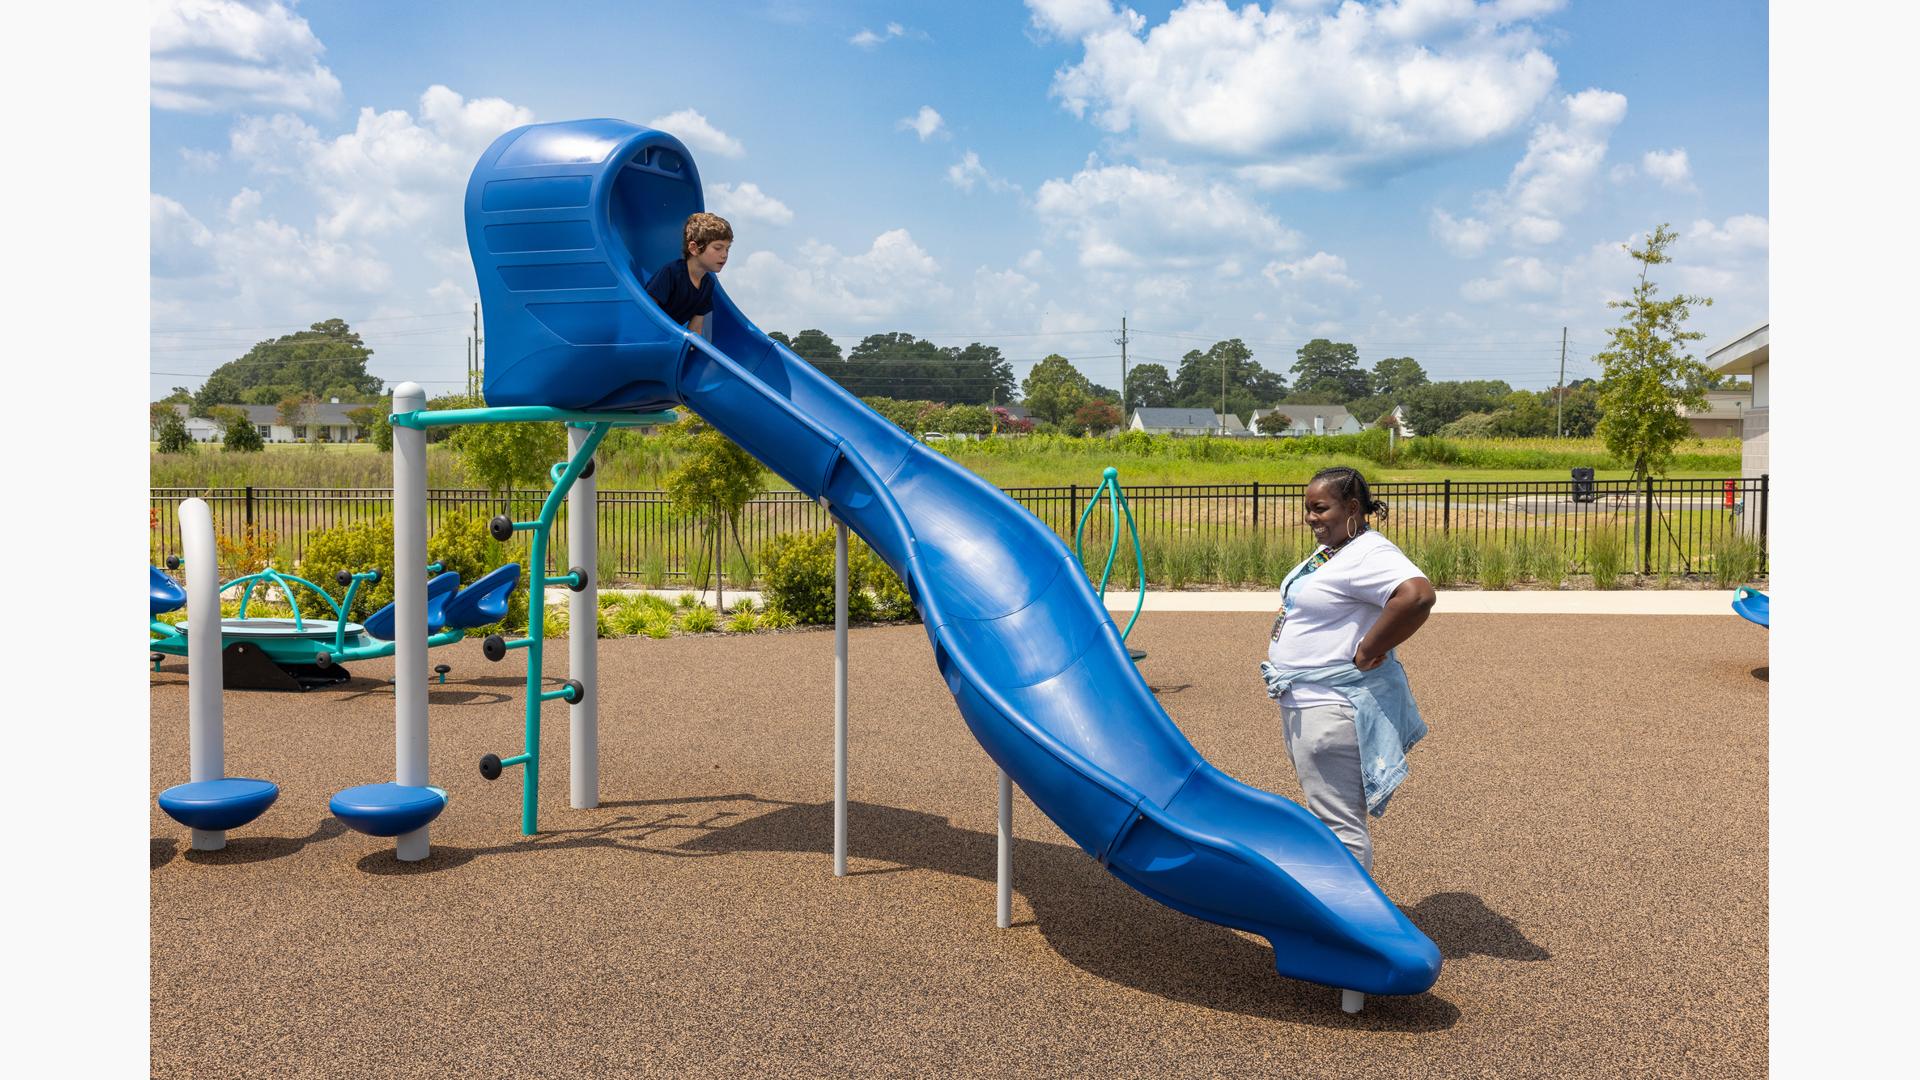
(1584, 835)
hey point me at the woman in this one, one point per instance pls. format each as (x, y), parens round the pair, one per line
(1348, 712)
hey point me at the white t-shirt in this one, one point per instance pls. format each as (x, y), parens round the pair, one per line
(1329, 610)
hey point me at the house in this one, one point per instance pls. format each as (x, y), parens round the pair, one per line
(1231, 425)
(329, 417)
(1747, 355)
(1178, 421)
(1724, 416)
(1312, 420)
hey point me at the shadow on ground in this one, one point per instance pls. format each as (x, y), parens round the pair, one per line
(1092, 921)
(244, 849)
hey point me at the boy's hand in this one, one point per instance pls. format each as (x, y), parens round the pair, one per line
(1366, 661)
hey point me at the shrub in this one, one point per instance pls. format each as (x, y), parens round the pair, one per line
(891, 601)
(555, 623)
(744, 622)
(1439, 557)
(653, 568)
(739, 570)
(743, 603)
(799, 573)
(626, 619)
(698, 620)
(657, 623)
(1496, 566)
(1736, 560)
(775, 619)
(1606, 558)
(248, 553)
(461, 544)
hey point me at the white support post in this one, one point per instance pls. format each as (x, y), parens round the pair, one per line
(583, 649)
(1003, 900)
(1352, 1001)
(840, 699)
(410, 609)
(206, 719)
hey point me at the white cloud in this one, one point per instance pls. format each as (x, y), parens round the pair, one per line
(690, 127)
(200, 161)
(1553, 179)
(1123, 217)
(207, 55)
(392, 172)
(1304, 97)
(968, 172)
(180, 246)
(747, 202)
(1034, 262)
(1670, 167)
(1518, 274)
(1317, 267)
(926, 123)
(869, 39)
(823, 286)
(1465, 237)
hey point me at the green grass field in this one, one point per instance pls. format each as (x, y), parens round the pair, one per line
(640, 463)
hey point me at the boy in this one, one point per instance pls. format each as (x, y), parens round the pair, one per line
(682, 288)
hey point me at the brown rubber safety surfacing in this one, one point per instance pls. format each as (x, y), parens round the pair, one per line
(1584, 834)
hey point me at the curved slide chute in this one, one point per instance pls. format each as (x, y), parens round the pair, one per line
(566, 223)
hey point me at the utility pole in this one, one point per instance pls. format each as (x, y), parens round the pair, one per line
(1122, 342)
(1223, 391)
(476, 347)
(1560, 392)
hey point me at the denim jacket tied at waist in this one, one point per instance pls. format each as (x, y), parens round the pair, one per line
(1385, 719)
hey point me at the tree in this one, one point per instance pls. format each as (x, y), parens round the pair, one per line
(1433, 406)
(179, 395)
(816, 348)
(714, 480)
(1054, 389)
(498, 456)
(171, 431)
(1396, 375)
(1331, 367)
(326, 360)
(1096, 417)
(293, 412)
(1273, 423)
(369, 419)
(1368, 409)
(1248, 385)
(1148, 387)
(238, 435)
(1647, 374)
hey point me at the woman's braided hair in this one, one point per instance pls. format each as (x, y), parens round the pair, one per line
(1349, 484)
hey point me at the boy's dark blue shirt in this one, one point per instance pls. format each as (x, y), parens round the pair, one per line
(674, 291)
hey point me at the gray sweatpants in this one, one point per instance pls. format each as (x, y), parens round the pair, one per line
(1326, 756)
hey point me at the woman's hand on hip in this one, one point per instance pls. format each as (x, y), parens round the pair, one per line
(1366, 661)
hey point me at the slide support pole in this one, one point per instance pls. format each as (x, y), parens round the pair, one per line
(840, 699)
(410, 609)
(1003, 906)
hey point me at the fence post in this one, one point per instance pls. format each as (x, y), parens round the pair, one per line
(1256, 506)
(1763, 523)
(249, 506)
(1073, 503)
(1446, 505)
(1646, 555)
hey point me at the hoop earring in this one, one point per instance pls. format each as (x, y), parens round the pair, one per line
(1351, 530)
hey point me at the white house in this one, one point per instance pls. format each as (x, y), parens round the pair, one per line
(1312, 420)
(1747, 355)
(1725, 414)
(330, 418)
(1179, 421)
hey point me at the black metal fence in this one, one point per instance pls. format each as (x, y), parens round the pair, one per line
(1650, 526)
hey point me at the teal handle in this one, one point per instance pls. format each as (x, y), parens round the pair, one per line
(1118, 508)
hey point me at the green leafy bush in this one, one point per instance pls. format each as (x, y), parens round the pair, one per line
(799, 580)
(1736, 560)
(1496, 566)
(743, 622)
(657, 623)
(698, 620)
(775, 619)
(461, 544)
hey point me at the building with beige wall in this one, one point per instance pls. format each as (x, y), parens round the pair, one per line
(1747, 355)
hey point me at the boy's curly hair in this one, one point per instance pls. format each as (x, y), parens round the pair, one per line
(703, 229)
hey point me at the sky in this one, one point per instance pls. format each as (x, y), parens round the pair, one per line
(1442, 179)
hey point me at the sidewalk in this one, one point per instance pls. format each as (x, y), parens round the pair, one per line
(1452, 601)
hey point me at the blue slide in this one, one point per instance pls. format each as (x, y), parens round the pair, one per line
(566, 223)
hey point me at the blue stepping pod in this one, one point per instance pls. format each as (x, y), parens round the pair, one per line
(218, 805)
(387, 809)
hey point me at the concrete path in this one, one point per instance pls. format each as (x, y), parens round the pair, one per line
(1452, 601)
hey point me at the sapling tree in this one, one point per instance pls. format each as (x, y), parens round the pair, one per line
(1648, 374)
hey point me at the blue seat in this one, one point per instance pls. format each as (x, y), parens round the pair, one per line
(167, 594)
(1753, 606)
(387, 809)
(217, 805)
(439, 590)
(484, 602)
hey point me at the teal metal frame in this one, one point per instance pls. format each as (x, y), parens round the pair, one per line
(563, 475)
(1117, 506)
